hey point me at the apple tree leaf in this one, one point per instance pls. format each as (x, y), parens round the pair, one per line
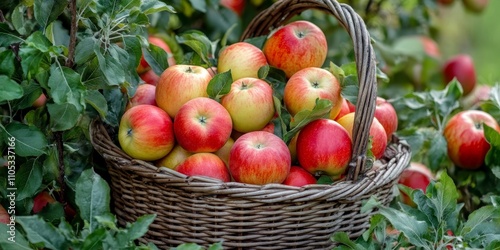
(156, 57)
(10, 89)
(482, 227)
(19, 242)
(219, 85)
(40, 231)
(301, 119)
(492, 158)
(46, 11)
(63, 116)
(30, 141)
(97, 101)
(153, 6)
(7, 62)
(28, 179)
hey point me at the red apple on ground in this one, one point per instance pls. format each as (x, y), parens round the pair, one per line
(259, 157)
(295, 46)
(146, 132)
(144, 94)
(316, 152)
(462, 68)
(202, 125)
(378, 135)
(175, 157)
(344, 110)
(243, 59)
(235, 5)
(204, 164)
(4, 216)
(309, 84)
(40, 101)
(387, 116)
(144, 65)
(41, 200)
(299, 177)
(476, 6)
(223, 152)
(464, 134)
(150, 77)
(179, 84)
(416, 176)
(250, 103)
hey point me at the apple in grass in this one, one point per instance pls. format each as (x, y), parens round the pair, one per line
(144, 65)
(259, 157)
(202, 125)
(416, 176)
(462, 68)
(317, 154)
(299, 177)
(179, 84)
(250, 103)
(295, 46)
(146, 132)
(309, 84)
(377, 133)
(204, 164)
(144, 94)
(175, 157)
(464, 134)
(387, 116)
(243, 59)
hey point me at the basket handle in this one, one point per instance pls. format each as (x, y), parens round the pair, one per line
(281, 11)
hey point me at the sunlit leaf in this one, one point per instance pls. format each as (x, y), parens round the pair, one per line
(219, 85)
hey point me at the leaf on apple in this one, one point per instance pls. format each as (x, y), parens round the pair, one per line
(301, 119)
(199, 43)
(492, 158)
(219, 85)
(275, 77)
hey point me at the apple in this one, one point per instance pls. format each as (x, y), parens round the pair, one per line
(235, 5)
(292, 147)
(378, 136)
(223, 152)
(250, 103)
(144, 94)
(344, 110)
(202, 125)
(259, 157)
(150, 77)
(146, 132)
(309, 84)
(179, 84)
(40, 101)
(431, 48)
(387, 116)
(175, 157)
(462, 68)
(446, 2)
(416, 176)
(144, 65)
(204, 164)
(299, 177)
(243, 59)
(478, 96)
(295, 46)
(4, 216)
(41, 200)
(464, 134)
(316, 151)
(212, 70)
(476, 6)
(352, 107)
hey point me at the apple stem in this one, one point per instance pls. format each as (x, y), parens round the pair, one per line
(189, 70)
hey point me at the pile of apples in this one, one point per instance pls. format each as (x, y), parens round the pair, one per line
(173, 122)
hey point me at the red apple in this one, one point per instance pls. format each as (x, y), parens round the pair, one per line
(431, 48)
(41, 200)
(387, 116)
(309, 84)
(150, 77)
(352, 107)
(445, 2)
(416, 176)
(462, 68)
(204, 164)
(292, 147)
(378, 135)
(144, 65)
(259, 157)
(299, 177)
(175, 157)
(476, 6)
(464, 134)
(243, 59)
(4, 216)
(40, 101)
(235, 5)
(144, 94)
(223, 152)
(250, 103)
(344, 110)
(179, 84)
(296, 46)
(202, 125)
(146, 132)
(316, 152)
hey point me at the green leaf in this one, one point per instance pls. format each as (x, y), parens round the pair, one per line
(337, 71)
(415, 230)
(52, 212)
(304, 117)
(438, 151)
(492, 158)
(199, 5)
(97, 101)
(84, 50)
(95, 239)
(199, 43)
(156, 57)
(28, 179)
(343, 238)
(35, 54)
(10, 89)
(46, 11)
(111, 67)
(92, 197)
(66, 87)
(40, 231)
(30, 141)
(443, 195)
(188, 246)
(219, 85)
(18, 242)
(7, 36)
(152, 6)
(7, 63)
(63, 116)
(482, 226)
(350, 88)
(137, 229)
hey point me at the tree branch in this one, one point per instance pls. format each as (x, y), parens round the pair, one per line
(72, 34)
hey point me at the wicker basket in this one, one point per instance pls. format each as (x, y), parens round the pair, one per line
(274, 216)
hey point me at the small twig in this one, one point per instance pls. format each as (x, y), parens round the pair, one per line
(2, 17)
(72, 35)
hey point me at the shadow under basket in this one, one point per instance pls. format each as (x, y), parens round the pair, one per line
(205, 211)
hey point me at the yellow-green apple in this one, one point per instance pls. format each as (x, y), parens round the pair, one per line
(387, 116)
(309, 84)
(175, 157)
(416, 176)
(476, 6)
(150, 77)
(144, 94)
(377, 133)
(467, 145)
(259, 157)
(317, 154)
(462, 68)
(179, 84)
(41, 200)
(242, 58)
(344, 110)
(40, 101)
(204, 164)
(223, 152)
(250, 103)
(157, 41)
(4, 216)
(146, 132)
(235, 5)
(295, 46)
(202, 125)
(299, 177)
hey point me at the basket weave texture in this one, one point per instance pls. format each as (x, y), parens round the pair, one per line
(274, 216)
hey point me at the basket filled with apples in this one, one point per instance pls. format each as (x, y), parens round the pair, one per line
(228, 158)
